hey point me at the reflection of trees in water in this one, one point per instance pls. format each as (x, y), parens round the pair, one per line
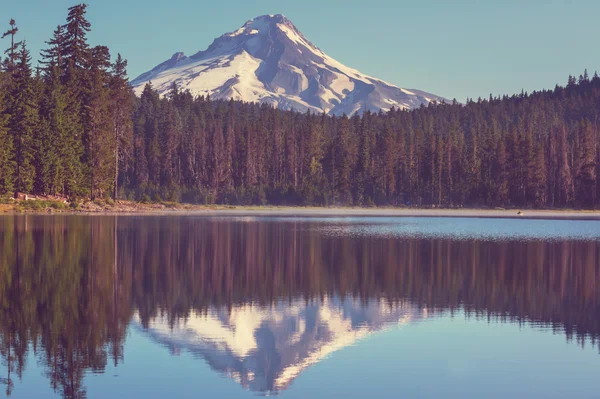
(67, 294)
(223, 263)
(56, 298)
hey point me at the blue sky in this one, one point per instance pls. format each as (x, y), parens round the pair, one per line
(456, 49)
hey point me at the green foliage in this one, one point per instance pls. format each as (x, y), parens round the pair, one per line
(511, 151)
(23, 121)
(42, 204)
(77, 130)
(60, 113)
(7, 164)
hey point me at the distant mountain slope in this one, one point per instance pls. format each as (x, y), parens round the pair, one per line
(268, 60)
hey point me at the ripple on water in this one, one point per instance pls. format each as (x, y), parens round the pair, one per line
(463, 228)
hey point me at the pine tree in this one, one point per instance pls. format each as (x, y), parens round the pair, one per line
(75, 50)
(99, 135)
(58, 110)
(62, 108)
(52, 57)
(46, 158)
(565, 178)
(501, 175)
(342, 162)
(23, 121)
(538, 177)
(586, 165)
(388, 155)
(121, 108)
(314, 160)
(6, 149)
(12, 51)
(150, 109)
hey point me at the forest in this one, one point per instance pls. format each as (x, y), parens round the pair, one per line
(72, 127)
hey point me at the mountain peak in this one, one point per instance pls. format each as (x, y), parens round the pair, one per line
(269, 60)
(266, 25)
(271, 18)
(274, 17)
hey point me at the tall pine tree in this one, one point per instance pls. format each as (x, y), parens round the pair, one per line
(121, 109)
(100, 137)
(13, 50)
(6, 148)
(23, 110)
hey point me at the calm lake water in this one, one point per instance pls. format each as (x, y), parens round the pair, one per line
(234, 307)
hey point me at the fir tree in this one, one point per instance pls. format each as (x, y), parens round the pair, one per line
(6, 149)
(23, 121)
(45, 159)
(57, 109)
(121, 108)
(99, 135)
(52, 57)
(75, 52)
(12, 51)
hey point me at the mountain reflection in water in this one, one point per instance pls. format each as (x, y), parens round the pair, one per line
(262, 300)
(265, 348)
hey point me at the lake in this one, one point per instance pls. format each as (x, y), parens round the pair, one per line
(299, 307)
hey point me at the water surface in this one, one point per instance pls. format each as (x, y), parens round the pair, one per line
(192, 306)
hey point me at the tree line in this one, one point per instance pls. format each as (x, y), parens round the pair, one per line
(73, 128)
(63, 125)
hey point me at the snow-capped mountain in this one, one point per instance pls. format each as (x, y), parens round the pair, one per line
(266, 348)
(268, 60)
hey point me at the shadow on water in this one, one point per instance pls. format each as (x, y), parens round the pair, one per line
(262, 301)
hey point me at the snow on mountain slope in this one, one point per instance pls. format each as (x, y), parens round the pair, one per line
(268, 60)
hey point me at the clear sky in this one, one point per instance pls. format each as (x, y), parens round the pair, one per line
(456, 49)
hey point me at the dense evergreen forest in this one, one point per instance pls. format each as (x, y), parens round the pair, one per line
(72, 127)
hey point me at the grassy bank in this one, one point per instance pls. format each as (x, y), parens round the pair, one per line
(8, 205)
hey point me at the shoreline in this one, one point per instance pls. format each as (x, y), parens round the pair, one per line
(124, 208)
(403, 212)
